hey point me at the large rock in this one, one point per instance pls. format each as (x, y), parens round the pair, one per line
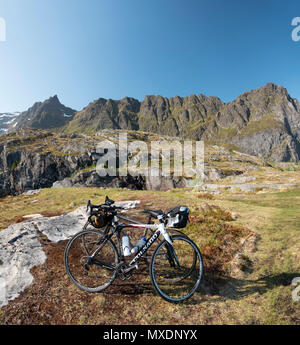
(148, 182)
(23, 170)
(20, 250)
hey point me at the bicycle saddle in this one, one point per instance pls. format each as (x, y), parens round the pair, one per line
(154, 213)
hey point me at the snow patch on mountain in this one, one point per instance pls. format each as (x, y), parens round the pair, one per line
(6, 119)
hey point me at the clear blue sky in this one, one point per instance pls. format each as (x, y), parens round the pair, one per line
(85, 49)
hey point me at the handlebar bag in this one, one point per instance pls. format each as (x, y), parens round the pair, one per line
(100, 219)
(178, 217)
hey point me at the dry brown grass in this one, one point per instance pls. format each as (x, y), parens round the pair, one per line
(205, 196)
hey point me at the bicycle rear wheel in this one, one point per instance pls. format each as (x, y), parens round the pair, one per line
(176, 272)
(92, 274)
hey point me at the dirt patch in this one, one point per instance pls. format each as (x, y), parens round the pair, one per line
(53, 299)
(221, 242)
(20, 220)
(205, 196)
(51, 214)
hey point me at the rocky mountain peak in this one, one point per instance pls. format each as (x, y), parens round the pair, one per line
(44, 115)
(274, 88)
(268, 91)
(54, 99)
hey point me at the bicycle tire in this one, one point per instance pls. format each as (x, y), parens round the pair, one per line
(188, 272)
(157, 268)
(173, 232)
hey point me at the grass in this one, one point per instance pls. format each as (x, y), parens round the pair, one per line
(276, 219)
(261, 294)
(15, 164)
(46, 142)
(48, 202)
(266, 122)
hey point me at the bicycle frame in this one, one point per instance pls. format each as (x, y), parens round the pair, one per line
(118, 228)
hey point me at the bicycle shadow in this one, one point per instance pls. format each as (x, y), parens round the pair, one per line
(227, 287)
(139, 284)
(220, 288)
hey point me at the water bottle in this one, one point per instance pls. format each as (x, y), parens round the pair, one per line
(126, 245)
(139, 245)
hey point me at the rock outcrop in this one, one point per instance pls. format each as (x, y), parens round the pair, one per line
(35, 159)
(92, 179)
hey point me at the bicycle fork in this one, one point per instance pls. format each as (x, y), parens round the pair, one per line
(171, 254)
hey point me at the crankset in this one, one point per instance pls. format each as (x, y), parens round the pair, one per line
(125, 276)
(124, 272)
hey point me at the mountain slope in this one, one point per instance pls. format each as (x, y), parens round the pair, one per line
(103, 113)
(177, 116)
(180, 116)
(44, 115)
(263, 122)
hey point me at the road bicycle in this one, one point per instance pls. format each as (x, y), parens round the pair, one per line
(95, 257)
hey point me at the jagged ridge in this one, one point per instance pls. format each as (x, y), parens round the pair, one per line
(263, 122)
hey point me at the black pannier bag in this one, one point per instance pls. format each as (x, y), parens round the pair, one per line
(178, 217)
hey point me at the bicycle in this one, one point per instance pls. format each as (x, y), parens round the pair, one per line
(176, 265)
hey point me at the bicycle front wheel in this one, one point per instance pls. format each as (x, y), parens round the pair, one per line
(176, 271)
(91, 260)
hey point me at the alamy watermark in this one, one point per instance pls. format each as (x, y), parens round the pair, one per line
(2, 30)
(296, 291)
(296, 30)
(178, 158)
